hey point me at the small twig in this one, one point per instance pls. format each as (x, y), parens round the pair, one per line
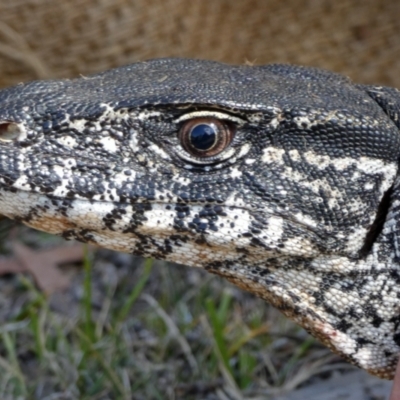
(173, 331)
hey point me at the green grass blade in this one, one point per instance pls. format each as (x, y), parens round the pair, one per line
(37, 333)
(223, 308)
(298, 354)
(247, 363)
(135, 293)
(218, 331)
(108, 370)
(12, 356)
(89, 326)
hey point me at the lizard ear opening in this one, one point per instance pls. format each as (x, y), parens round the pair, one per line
(378, 224)
(9, 131)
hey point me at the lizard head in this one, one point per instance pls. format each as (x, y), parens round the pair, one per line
(280, 178)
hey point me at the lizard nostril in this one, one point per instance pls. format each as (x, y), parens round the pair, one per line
(9, 131)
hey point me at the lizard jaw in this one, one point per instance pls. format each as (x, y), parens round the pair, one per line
(267, 271)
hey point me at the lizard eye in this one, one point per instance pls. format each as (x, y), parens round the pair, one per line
(205, 137)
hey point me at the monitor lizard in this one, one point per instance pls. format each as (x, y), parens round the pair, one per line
(282, 179)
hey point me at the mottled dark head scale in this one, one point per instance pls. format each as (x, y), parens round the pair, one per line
(299, 205)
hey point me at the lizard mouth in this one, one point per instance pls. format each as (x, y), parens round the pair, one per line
(121, 226)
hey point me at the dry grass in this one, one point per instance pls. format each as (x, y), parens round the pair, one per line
(127, 329)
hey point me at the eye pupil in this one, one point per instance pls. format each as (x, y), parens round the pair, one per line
(203, 136)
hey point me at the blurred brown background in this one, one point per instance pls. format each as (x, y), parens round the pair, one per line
(65, 38)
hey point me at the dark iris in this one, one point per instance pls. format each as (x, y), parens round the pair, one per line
(203, 136)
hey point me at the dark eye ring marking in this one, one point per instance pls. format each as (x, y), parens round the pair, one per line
(206, 136)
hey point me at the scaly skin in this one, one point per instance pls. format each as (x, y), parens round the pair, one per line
(300, 208)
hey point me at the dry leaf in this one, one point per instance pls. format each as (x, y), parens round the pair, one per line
(43, 265)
